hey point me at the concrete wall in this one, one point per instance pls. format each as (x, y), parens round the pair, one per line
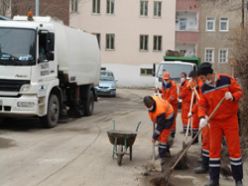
(127, 25)
(217, 39)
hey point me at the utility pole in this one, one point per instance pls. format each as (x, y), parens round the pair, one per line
(243, 15)
(37, 7)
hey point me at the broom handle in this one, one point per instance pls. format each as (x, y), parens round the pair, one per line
(189, 119)
(196, 93)
(153, 144)
(189, 145)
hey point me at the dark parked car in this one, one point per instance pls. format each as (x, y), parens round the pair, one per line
(107, 84)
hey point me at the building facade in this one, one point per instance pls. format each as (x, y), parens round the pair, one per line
(187, 27)
(218, 20)
(58, 9)
(132, 34)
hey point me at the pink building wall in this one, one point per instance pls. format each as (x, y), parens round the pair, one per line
(187, 5)
(187, 37)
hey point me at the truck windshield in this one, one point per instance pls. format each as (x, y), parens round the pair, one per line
(17, 46)
(174, 69)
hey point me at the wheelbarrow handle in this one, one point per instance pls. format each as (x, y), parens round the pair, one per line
(137, 128)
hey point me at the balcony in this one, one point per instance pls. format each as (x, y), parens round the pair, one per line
(187, 21)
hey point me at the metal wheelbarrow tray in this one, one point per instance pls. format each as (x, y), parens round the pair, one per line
(122, 141)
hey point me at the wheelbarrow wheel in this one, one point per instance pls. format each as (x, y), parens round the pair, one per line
(119, 159)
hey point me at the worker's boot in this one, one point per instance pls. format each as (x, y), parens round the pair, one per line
(173, 134)
(212, 183)
(170, 142)
(195, 131)
(239, 183)
(203, 168)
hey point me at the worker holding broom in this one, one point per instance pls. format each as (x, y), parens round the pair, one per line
(195, 85)
(224, 122)
(169, 93)
(185, 95)
(162, 115)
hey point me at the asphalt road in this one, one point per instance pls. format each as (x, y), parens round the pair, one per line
(78, 153)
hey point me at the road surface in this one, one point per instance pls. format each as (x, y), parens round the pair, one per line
(78, 153)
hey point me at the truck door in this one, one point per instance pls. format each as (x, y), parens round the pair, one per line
(47, 65)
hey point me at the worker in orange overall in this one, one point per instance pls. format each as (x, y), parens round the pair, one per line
(224, 122)
(195, 85)
(169, 93)
(185, 95)
(162, 115)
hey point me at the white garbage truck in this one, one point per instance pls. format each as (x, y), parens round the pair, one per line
(47, 70)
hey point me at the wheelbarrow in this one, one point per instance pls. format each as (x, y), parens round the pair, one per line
(122, 141)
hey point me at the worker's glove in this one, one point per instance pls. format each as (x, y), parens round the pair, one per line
(203, 122)
(228, 96)
(189, 114)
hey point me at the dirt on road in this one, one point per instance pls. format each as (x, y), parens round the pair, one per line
(78, 152)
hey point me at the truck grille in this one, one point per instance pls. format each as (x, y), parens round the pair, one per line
(12, 85)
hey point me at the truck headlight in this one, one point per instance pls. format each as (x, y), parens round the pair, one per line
(25, 88)
(25, 104)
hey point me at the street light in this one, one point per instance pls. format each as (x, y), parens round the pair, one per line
(37, 7)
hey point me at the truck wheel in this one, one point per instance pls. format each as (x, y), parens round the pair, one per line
(52, 117)
(89, 104)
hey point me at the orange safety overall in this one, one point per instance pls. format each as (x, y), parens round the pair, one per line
(185, 94)
(169, 93)
(224, 122)
(163, 116)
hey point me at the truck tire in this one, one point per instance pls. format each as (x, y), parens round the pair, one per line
(53, 109)
(89, 104)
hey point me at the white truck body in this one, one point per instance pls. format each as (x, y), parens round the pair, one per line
(69, 69)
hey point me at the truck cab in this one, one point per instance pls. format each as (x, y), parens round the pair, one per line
(175, 65)
(43, 73)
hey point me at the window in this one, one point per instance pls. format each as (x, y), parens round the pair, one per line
(224, 24)
(110, 6)
(157, 8)
(182, 23)
(223, 55)
(96, 6)
(74, 5)
(210, 24)
(157, 43)
(110, 41)
(209, 55)
(144, 42)
(143, 7)
(146, 71)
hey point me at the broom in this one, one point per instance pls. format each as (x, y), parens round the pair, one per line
(180, 155)
(183, 165)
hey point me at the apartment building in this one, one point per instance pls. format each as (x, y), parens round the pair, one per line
(132, 34)
(218, 19)
(187, 27)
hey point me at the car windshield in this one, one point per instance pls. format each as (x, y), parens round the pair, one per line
(174, 69)
(17, 46)
(107, 76)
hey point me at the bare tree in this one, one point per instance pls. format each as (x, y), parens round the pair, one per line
(4, 6)
(240, 53)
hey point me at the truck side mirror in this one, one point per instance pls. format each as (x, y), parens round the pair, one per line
(50, 42)
(153, 69)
